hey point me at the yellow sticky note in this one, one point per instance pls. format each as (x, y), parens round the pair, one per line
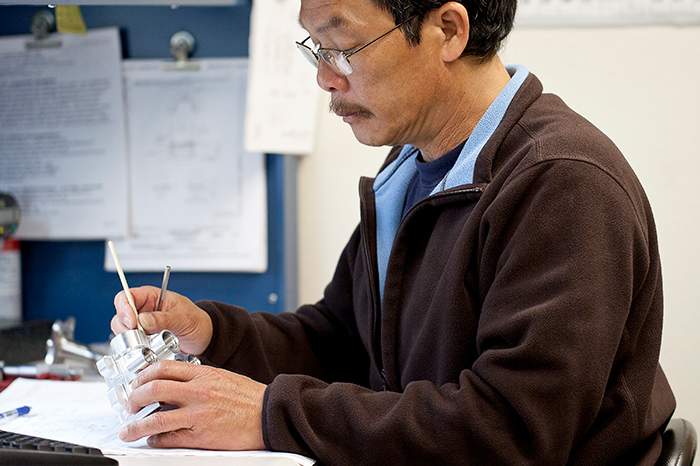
(70, 20)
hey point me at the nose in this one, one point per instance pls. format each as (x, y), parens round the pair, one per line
(329, 80)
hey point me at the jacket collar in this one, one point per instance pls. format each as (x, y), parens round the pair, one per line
(391, 183)
(463, 171)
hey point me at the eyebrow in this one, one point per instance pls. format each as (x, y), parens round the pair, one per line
(333, 23)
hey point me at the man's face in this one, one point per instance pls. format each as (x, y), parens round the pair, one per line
(386, 98)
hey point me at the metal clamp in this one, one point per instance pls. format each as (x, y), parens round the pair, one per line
(43, 22)
(182, 45)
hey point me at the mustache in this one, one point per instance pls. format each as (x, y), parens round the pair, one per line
(342, 108)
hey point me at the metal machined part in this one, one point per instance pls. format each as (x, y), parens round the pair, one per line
(133, 351)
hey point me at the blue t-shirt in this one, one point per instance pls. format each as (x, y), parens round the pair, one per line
(428, 176)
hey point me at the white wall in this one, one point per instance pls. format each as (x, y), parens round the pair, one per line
(328, 208)
(641, 86)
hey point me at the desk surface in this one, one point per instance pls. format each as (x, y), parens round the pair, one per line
(79, 412)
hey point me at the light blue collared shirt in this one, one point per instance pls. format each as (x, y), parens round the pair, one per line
(391, 184)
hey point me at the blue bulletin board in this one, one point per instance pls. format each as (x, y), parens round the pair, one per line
(67, 278)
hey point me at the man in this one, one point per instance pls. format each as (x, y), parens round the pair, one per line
(499, 303)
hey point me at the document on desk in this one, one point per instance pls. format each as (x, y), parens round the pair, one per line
(78, 412)
(198, 199)
(62, 135)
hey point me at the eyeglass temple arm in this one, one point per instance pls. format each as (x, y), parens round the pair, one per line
(375, 40)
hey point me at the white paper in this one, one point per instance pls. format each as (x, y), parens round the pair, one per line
(282, 94)
(62, 135)
(606, 12)
(79, 412)
(198, 200)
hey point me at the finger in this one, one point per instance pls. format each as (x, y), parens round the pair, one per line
(154, 322)
(177, 371)
(162, 382)
(125, 315)
(156, 423)
(145, 298)
(163, 391)
(183, 438)
(117, 325)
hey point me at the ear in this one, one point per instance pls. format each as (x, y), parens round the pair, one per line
(452, 21)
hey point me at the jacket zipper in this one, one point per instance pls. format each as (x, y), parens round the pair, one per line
(376, 337)
(451, 192)
(376, 309)
(376, 324)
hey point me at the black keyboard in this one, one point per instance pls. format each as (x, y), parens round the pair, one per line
(20, 449)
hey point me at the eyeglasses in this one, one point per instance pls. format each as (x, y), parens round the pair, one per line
(337, 59)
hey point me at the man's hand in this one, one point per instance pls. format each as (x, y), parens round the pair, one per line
(217, 409)
(190, 324)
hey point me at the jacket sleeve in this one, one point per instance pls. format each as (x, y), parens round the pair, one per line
(568, 336)
(319, 340)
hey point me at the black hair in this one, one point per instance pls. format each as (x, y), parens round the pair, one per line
(490, 21)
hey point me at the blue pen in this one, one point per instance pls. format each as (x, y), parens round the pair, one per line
(7, 415)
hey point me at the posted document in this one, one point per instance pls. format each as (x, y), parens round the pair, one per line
(198, 199)
(62, 135)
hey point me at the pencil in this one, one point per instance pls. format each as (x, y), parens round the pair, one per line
(120, 271)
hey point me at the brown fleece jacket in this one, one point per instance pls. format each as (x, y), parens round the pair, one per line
(520, 323)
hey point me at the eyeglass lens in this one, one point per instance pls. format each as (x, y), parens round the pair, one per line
(308, 53)
(337, 60)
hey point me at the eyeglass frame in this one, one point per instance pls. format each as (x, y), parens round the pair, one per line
(314, 56)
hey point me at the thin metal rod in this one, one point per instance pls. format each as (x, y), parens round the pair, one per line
(163, 288)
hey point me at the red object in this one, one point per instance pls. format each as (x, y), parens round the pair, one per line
(44, 376)
(50, 376)
(5, 383)
(10, 244)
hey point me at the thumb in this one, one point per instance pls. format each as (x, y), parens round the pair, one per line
(153, 323)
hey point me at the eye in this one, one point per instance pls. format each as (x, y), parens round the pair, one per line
(339, 42)
(313, 45)
(351, 49)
